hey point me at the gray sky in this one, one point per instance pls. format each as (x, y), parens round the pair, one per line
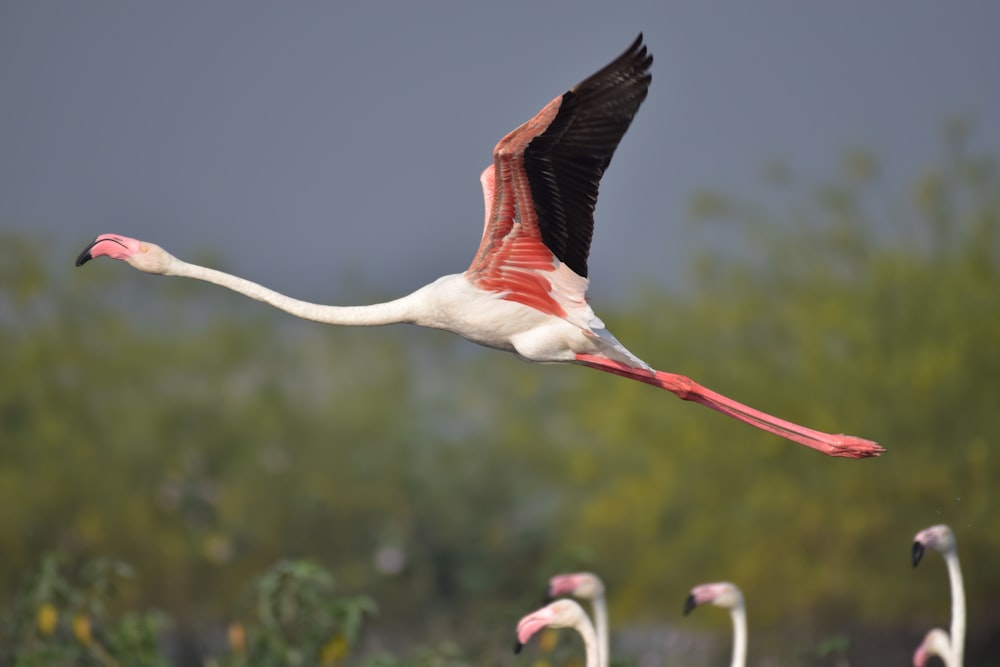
(306, 142)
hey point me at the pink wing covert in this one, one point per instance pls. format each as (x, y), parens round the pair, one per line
(541, 190)
(512, 258)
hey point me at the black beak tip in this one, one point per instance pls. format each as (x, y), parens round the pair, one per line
(689, 605)
(547, 598)
(517, 647)
(918, 553)
(85, 256)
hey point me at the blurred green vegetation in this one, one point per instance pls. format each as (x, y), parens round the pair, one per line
(61, 617)
(202, 438)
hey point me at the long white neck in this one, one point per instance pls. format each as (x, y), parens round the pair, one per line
(739, 636)
(590, 644)
(957, 607)
(951, 658)
(403, 310)
(601, 621)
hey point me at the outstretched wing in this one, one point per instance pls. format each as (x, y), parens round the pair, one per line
(541, 190)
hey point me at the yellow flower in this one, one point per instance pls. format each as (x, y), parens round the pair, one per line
(47, 618)
(547, 640)
(333, 650)
(81, 629)
(237, 638)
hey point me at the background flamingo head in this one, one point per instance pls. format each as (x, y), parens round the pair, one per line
(936, 642)
(584, 585)
(721, 594)
(940, 538)
(559, 614)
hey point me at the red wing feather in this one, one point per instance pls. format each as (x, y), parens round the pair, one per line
(542, 189)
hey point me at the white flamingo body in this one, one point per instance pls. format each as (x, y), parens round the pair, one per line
(942, 539)
(727, 596)
(525, 290)
(586, 586)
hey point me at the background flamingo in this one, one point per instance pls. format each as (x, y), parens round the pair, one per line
(586, 586)
(942, 539)
(560, 614)
(728, 596)
(935, 642)
(525, 291)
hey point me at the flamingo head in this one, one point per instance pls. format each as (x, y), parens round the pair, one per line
(583, 585)
(936, 642)
(559, 614)
(721, 594)
(940, 538)
(147, 257)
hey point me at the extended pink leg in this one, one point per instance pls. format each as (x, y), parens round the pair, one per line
(683, 387)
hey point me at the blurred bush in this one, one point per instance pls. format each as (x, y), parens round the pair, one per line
(61, 617)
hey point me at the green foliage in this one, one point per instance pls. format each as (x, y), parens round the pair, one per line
(299, 621)
(140, 421)
(61, 617)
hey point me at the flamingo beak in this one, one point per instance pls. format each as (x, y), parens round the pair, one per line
(85, 256)
(88, 252)
(111, 245)
(918, 553)
(518, 646)
(690, 604)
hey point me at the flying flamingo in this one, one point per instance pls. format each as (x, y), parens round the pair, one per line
(560, 614)
(728, 596)
(942, 539)
(525, 291)
(936, 642)
(586, 586)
